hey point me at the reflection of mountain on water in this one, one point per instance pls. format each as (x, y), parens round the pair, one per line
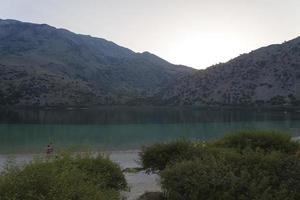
(134, 115)
(126, 129)
(20, 138)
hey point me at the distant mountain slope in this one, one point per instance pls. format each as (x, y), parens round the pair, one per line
(41, 65)
(267, 76)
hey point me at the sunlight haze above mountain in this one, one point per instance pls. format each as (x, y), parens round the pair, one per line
(196, 33)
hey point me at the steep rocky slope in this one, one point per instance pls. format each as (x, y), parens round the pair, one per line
(267, 76)
(41, 65)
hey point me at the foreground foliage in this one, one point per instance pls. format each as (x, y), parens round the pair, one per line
(244, 166)
(259, 140)
(152, 196)
(81, 177)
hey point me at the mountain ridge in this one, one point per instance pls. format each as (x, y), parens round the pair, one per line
(45, 66)
(41, 65)
(269, 75)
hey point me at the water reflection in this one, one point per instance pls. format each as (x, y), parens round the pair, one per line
(28, 131)
(138, 115)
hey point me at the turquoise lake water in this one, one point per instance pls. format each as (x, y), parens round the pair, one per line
(128, 128)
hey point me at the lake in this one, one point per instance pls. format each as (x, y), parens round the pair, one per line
(128, 128)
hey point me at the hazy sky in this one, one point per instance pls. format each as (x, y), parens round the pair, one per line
(196, 33)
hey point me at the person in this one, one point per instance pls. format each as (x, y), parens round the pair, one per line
(49, 149)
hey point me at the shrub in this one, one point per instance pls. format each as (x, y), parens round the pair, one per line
(289, 174)
(158, 156)
(65, 177)
(246, 165)
(263, 140)
(236, 176)
(195, 180)
(152, 196)
(102, 172)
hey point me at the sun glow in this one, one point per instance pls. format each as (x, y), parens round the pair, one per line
(209, 48)
(196, 33)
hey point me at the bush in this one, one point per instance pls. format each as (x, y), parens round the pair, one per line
(289, 174)
(236, 176)
(65, 177)
(262, 140)
(246, 165)
(152, 196)
(194, 180)
(157, 157)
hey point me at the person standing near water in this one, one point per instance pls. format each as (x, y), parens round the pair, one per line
(49, 149)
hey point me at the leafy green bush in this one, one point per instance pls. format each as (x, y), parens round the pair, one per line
(236, 176)
(263, 140)
(62, 178)
(289, 174)
(247, 165)
(195, 180)
(158, 156)
(152, 196)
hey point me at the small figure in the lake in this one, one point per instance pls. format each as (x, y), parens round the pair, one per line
(49, 150)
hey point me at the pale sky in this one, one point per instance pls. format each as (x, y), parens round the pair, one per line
(197, 33)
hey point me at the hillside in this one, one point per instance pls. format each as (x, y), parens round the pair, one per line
(44, 66)
(267, 76)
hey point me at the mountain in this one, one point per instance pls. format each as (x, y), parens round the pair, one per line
(267, 76)
(44, 66)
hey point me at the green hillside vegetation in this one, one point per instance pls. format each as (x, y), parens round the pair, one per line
(244, 166)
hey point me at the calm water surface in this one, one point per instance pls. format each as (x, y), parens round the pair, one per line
(128, 128)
